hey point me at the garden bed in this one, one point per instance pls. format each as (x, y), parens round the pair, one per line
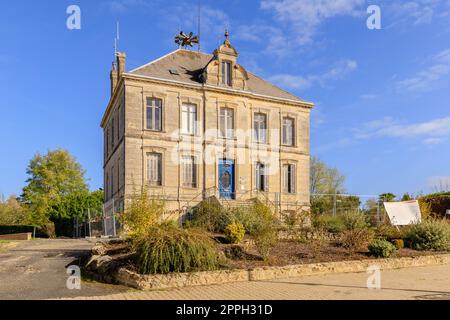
(285, 253)
(113, 263)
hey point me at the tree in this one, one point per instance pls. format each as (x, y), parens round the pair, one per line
(407, 197)
(388, 197)
(12, 213)
(324, 179)
(327, 181)
(52, 178)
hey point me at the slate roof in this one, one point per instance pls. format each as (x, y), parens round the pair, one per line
(189, 65)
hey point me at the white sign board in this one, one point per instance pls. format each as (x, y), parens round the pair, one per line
(403, 213)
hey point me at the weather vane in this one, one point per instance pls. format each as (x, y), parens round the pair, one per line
(186, 40)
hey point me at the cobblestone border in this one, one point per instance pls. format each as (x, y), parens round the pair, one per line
(100, 265)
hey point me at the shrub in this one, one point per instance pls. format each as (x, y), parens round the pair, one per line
(235, 233)
(265, 239)
(388, 232)
(143, 212)
(429, 235)
(210, 215)
(264, 229)
(398, 243)
(168, 248)
(381, 249)
(332, 224)
(357, 239)
(354, 221)
(247, 217)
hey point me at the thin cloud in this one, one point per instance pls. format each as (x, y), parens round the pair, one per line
(428, 79)
(431, 132)
(305, 16)
(342, 69)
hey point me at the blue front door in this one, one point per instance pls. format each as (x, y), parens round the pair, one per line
(226, 179)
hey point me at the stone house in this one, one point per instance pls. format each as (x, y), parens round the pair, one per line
(191, 126)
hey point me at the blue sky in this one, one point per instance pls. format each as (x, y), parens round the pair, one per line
(382, 96)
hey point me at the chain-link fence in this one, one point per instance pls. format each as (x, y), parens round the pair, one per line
(338, 204)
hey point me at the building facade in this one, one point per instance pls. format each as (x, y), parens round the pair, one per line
(192, 126)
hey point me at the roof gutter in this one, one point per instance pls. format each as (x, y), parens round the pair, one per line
(248, 93)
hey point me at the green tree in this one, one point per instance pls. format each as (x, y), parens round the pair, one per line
(407, 197)
(388, 197)
(12, 213)
(324, 183)
(52, 178)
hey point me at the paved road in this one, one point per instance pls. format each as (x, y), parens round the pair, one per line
(426, 283)
(37, 270)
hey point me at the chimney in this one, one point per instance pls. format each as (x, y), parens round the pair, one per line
(113, 77)
(121, 58)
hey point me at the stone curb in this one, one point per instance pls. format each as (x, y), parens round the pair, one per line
(180, 280)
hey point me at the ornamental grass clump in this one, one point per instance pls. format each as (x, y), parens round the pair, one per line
(168, 248)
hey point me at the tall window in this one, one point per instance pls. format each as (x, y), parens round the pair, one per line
(112, 182)
(107, 141)
(189, 172)
(260, 127)
(154, 169)
(261, 178)
(226, 73)
(289, 178)
(154, 114)
(112, 132)
(188, 118)
(227, 123)
(288, 132)
(107, 188)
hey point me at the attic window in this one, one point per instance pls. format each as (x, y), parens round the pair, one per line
(174, 72)
(226, 73)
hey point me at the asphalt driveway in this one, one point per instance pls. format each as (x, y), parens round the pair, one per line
(37, 270)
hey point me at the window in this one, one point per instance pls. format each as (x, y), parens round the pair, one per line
(107, 188)
(260, 127)
(226, 73)
(112, 133)
(188, 119)
(189, 170)
(261, 177)
(111, 188)
(154, 169)
(289, 178)
(227, 123)
(288, 132)
(154, 114)
(107, 141)
(119, 133)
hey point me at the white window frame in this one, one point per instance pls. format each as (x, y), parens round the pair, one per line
(261, 185)
(289, 177)
(226, 123)
(153, 121)
(260, 127)
(227, 67)
(189, 118)
(154, 169)
(289, 131)
(189, 171)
